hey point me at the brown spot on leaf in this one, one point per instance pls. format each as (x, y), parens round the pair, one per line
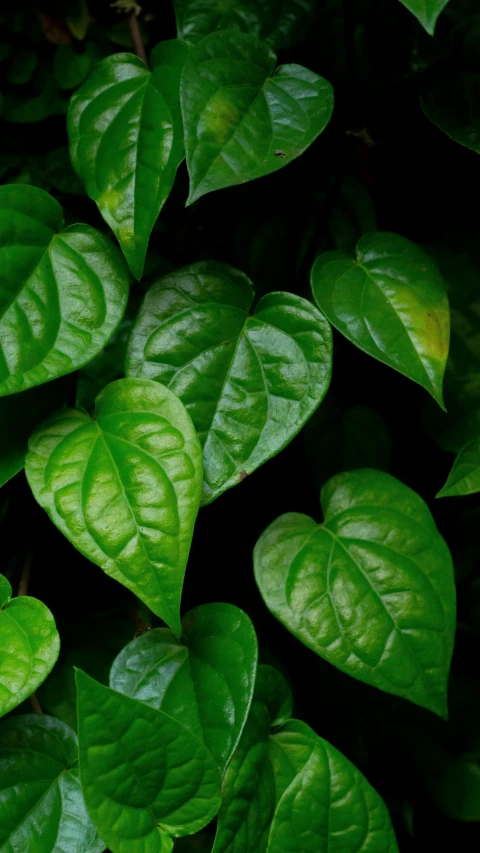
(243, 474)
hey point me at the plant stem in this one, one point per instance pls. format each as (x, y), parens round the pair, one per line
(37, 708)
(138, 45)
(25, 576)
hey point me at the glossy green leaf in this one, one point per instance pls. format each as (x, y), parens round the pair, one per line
(29, 646)
(278, 22)
(205, 681)
(426, 11)
(144, 776)
(243, 119)
(41, 800)
(63, 290)
(124, 487)
(390, 301)
(19, 415)
(286, 789)
(371, 589)
(464, 478)
(249, 381)
(450, 100)
(126, 141)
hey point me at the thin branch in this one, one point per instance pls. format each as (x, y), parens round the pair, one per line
(138, 45)
(25, 576)
(37, 708)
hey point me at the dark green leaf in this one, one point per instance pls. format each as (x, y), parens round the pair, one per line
(390, 301)
(205, 682)
(63, 291)
(30, 646)
(43, 810)
(243, 119)
(72, 67)
(464, 478)
(22, 67)
(145, 777)
(456, 787)
(450, 100)
(126, 141)
(278, 22)
(124, 488)
(426, 11)
(46, 101)
(371, 589)
(249, 381)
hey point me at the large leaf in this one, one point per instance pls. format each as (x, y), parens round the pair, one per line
(63, 291)
(126, 141)
(249, 381)
(29, 646)
(390, 301)
(243, 119)
(371, 589)
(144, 776)
(278, 22)
(42, 805)
(286, 789)
(450, 100)
(19, 415)
(205, 682)
(464, 478)
(124, 487)
(426, 11)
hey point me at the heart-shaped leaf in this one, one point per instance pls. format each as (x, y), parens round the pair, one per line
(390, 301)
(464, 478)
(29, 646)
(243, 119)
(63, 291)
(287, 790)
(426, 11)
(371, 589)
(249, 381)
(124, 488)
(205, 682)
(278, 22)
(43, 810)
(450, 100)
(126, 141)
(144, 776)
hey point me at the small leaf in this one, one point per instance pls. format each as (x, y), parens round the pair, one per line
(72, 66)
(280, 23)
(249, 381)
(126, 141)
(390, 301)
(144, 776)
(450, 100)
(43, 810)
(124, 488)
(426, 11)
(30, 646)
(464, 478)
(205, 682)
(371, 589)
(63, 291)
(242, 118)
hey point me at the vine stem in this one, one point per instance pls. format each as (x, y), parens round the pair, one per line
(137, 36)
(23, 590)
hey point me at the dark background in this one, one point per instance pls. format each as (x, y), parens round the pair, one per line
(423, 186)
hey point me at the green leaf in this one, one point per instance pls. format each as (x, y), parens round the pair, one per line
(450, 100)
(280, 23)
(73, 66)
(19, 415)
(205, 682)
(23, 66)
(242, 118)
(289, 791)
(249, 381)
(125, 487)
(30, 646)
(455, 787)
(144, 776)
(464, 478)
(426, 11)
(63, 291)
(390, 301)
(371, 589)
(43, 810)
(126, 141)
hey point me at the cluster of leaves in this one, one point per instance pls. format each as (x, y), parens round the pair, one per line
(152, 361)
